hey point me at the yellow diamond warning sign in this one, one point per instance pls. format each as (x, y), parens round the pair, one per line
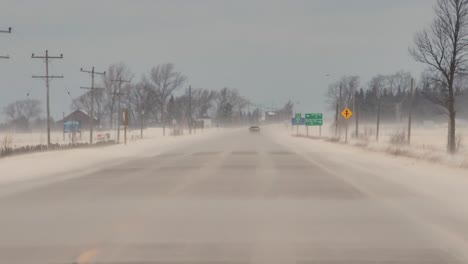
(346, 113)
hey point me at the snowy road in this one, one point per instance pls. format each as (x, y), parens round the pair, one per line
(240, 198)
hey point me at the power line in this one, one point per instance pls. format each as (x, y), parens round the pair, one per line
(119, 94)
(8, 32)
(47, 78)
(92, 88)
(71, 98)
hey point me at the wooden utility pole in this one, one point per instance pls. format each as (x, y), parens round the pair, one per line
(336, 119)
(63, 121)
(378, 119)
(410, 111)
(8, 32)
(356, 106)
(339, 108)
(125, 123)
(346, 138)
(119, 94)
(142, 123)
(92, 88)
(190, 109)
(47, 78)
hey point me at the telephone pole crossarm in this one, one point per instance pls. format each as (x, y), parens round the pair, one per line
(8, 32)
(91, 88)
(48, 77)
(46, 57)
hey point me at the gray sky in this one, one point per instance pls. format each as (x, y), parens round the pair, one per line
(271, 51)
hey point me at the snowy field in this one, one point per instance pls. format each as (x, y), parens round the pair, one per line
(447, 183)
(15, 139)
(428, 140)
(428, 146)
(71, 161)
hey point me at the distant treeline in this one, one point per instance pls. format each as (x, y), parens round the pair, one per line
(393, 93)
(161, 97)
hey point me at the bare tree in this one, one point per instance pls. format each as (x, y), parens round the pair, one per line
(83, 102)
(444, 47)
(396, 86)
(22, 111)
(349, 85)
(139, 101)
(399, 82)
(224, 107)
(286, 112)
(115, 71)
(341, 94)
(202, 101)
(164, 80)
(434, 92)
(230, 104)
(377, 85)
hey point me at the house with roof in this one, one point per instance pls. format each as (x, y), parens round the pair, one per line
(80, 116)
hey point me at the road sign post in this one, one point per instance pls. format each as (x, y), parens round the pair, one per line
(295, 122)
(346, 138)
(314, 119)
(298, 118)
(125, 123)
(346, 114)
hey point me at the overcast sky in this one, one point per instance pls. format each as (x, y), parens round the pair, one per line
(271, 51)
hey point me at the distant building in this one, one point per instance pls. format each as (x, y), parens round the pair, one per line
(271, 116)
(78, 116)
(204, 121)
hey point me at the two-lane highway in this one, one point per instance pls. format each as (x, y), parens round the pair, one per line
(240, 198)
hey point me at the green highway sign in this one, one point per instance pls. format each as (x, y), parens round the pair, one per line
(314, 122)
(298, 117)
(313, 119)
(314, 116)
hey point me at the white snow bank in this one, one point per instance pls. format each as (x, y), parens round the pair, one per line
(19, 139)
(428, 141)
(35, 165)
(447, 184)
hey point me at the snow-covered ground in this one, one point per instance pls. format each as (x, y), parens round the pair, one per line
(428, 146)
(36, 165)
(18, 139)
(447, 183)
(428, 140)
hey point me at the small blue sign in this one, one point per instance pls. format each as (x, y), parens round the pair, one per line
(71, 126)
(300, 123)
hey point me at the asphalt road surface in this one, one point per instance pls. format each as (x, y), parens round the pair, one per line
(237, 198)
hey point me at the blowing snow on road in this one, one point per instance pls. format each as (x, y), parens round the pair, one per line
(234, 132)
(240, 197)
